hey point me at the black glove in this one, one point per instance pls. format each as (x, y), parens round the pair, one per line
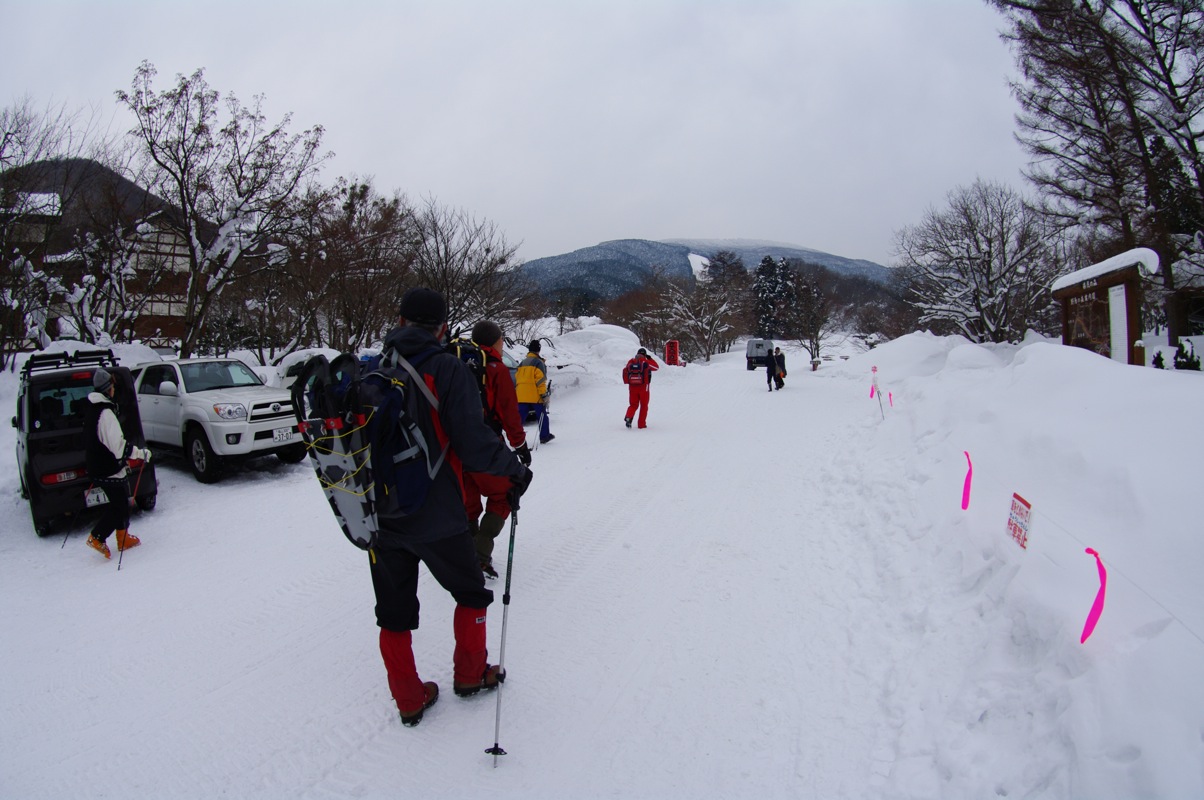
(524, 454)
(519, 486)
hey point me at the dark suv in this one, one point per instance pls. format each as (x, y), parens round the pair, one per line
(50, 434)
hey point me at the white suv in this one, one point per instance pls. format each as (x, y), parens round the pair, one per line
(214, 409)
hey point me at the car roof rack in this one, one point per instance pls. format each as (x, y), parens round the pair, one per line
(45, 362)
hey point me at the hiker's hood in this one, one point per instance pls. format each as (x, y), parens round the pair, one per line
(408, 340)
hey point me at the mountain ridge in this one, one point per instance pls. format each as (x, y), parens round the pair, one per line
(611, 268)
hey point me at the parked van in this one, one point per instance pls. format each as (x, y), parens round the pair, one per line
(50, 434)
(757, 353)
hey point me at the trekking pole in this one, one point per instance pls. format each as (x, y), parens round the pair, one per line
(543, 409)
(133, 499)
(496, 750)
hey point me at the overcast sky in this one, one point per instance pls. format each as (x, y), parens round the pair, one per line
(828, 124)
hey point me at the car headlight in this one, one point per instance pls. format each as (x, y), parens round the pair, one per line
(230, 410)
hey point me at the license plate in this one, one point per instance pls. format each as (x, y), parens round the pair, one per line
(282, 435)
(95, 497)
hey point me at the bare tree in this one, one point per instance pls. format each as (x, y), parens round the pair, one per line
(813, 315)
(700, 317)
(1113, 99)
(63, 212)
(231, 178)
(982, 266)
(470, 262)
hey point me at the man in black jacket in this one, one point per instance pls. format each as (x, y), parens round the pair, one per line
(437, 533)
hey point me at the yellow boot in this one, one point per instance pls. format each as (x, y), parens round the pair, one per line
(98, 546)
(126, 541)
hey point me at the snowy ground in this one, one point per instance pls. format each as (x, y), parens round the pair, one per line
(762, 595)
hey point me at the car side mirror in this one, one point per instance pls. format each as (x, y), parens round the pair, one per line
(14, 422)
(169, 389)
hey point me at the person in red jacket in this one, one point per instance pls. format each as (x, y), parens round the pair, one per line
(501, 414)
(637, 375)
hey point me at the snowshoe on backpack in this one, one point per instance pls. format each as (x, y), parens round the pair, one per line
(325, 400)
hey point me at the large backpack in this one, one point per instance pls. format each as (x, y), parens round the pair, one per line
(635, 373)
(360, 429)
(475, 358)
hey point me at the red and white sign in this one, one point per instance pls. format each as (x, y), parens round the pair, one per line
(1022, 510)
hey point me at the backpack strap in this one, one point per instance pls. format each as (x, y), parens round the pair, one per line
(392, 358)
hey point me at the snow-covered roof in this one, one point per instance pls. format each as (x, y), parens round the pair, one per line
(1142, 257)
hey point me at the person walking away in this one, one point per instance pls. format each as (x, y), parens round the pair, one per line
(501, 415)
(638, 375)
(106, 455)
(777, 364)
(531, 385)
(437, 533)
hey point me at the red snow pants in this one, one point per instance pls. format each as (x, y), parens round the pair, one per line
(638, 395)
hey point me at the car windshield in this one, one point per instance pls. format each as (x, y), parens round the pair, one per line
(217, 375)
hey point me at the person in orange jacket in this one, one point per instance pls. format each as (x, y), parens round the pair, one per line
(501, 414)
(638, 375)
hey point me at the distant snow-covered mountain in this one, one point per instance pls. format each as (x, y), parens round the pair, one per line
(608, 269)
(753, 250)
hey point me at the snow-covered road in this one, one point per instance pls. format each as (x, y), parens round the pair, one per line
(761, 595)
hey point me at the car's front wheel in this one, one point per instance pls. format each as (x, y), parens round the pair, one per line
(147, 502)
(205, 464)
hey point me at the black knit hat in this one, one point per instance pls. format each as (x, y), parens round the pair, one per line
(486, 332)
(101, 380)
(424, 306)
(641, 352)
(534, 346)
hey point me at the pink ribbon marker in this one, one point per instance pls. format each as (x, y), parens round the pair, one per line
(872, 387)
(891, 397)
(966, 487)
(1097, 607)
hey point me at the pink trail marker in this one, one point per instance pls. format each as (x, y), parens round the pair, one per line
(891, 397)
(1097, 607)
(969, 477)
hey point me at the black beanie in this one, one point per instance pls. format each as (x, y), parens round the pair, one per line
(424, 306)
(486, 333)
(534, 346)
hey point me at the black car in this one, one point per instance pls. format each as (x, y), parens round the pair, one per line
(50, 434)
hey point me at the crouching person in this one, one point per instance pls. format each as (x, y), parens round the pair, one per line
(437, 534)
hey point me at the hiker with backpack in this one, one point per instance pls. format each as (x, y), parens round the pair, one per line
(531, 385)
(638, 375)
(107, 454)
(500, 404)
(437, 532)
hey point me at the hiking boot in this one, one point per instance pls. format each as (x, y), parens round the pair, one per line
(489, 680)
(627, 421)
(126, 541)
(550, 437)
(487, 568)
(99, 546)
(414, 717)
